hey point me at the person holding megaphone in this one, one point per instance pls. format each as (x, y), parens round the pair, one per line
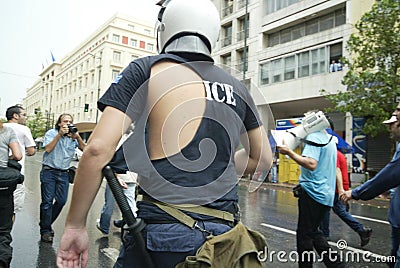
(316, 188)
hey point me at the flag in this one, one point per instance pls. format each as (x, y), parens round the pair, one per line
(52, 57)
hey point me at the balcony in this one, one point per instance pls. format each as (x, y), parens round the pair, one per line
(226, 41)
(240, 35)
(226, 11)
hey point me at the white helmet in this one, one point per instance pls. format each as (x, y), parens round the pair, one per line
(179, 18)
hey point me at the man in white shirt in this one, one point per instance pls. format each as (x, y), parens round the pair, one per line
(16, 119)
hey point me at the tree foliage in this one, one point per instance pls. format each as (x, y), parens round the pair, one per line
(373, 63)
(37, 124)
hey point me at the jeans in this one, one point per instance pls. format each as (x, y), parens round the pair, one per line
(340, 210)
(6, 214)
(54, 189)
(274, 174)
(167, 244)
(309, 236)
(109, 203)
(395, 251)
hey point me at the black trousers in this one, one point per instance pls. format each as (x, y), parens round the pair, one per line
(6, 214)
(309, 237)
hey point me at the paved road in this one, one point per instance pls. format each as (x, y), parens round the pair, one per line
(272, 210)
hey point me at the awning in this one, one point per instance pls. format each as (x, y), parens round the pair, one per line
(85, 126)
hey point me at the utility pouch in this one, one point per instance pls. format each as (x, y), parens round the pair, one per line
(240, 247)
(297, 190)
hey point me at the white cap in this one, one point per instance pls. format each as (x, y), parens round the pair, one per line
(390, 120)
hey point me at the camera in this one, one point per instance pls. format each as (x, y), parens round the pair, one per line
(297, 190)
(72, 129)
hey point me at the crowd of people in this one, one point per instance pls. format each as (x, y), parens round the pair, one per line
(181, 158)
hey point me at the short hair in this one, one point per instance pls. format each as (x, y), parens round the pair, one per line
(15, 109)
(59, 120)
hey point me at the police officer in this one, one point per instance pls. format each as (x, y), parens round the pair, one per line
(190, 117)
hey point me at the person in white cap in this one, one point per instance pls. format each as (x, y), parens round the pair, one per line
(388, 178)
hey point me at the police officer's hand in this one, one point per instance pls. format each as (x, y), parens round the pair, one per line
(73, 251)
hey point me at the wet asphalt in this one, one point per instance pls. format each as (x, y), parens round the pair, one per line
(271, 210)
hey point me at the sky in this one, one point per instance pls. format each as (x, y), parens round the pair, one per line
(33, 30)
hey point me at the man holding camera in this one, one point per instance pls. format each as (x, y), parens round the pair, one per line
(59, 143)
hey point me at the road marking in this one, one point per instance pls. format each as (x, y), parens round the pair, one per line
(111, 253)
(279, 228)
(370, 219)
(356, 250)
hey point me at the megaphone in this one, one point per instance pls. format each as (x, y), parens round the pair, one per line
(312, 122)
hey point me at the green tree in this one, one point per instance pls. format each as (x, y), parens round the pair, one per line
(373, 63)
(37, 124)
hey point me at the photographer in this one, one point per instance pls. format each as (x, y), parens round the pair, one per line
(60, 143)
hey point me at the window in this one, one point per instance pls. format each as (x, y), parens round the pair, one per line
(290, 66)
(264, 73)
(273, 39)
(275, 5)
(285, 35)
(134, 57)
(276, 70)
(335, 53)
(227, 35)
(242, 62)
(226, 60)
(114, 74)
(340, 17)
(150, 47)
(326, 22)
(117, 56)
(142, 44)
(147, 31)
(243, 25)
(318, 64)
(115, 38)
(124, 40)
(133, 42)
(312, 27)
(131, 27)
(298, 31)
(227, 8)
(304, 63)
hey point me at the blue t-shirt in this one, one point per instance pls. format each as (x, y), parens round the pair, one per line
(61, 156)
(320, 184)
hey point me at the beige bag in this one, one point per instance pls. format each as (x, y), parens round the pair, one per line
(237, 248)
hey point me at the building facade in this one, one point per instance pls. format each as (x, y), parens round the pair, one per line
(286, 50)
(74, 84)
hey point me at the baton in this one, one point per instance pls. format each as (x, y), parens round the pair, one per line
(135, 225)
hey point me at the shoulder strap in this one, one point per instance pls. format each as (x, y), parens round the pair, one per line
(176, 211)
(311, 142)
